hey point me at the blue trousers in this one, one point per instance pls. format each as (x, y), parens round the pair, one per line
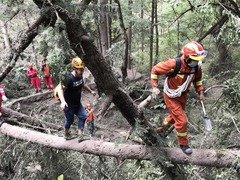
(79, 111)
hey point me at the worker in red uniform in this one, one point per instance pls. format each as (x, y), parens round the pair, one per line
(47, 77)
(35, 81)
(176, 88)
(2, 98)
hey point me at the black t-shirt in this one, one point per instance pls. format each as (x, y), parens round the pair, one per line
(72, 93)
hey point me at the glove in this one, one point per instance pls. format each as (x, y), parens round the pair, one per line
(155, 92)
(4, 98)
(63, 105)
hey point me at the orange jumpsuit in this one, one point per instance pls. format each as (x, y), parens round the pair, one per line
(47, 77)
(176, 106)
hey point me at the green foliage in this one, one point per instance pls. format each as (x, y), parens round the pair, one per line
(232, 94)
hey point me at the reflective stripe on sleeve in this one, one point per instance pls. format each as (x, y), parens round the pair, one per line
(180, 75)
(154, 76)
(199, 83)
(182, 134)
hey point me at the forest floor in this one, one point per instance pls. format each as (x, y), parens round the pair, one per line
(111, 127)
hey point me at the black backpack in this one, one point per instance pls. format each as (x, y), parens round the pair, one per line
(178, 67)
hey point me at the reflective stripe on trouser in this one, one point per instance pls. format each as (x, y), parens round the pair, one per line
(176, 108)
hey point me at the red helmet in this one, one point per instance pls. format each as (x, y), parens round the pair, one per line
(194, 51)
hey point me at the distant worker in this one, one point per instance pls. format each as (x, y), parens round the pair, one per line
(47, 77)
(2, 98)
(176, 88)
(69, 93)
(32, 73)
(90, 119)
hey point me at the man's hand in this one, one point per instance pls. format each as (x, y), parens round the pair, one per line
(155, 92)
(63, 105)
(4, 98)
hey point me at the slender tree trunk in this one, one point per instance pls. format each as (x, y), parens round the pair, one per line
(125, 54)
(103, 26)
(142, 31)
(151, 36)
(156, 32)
(5, 35)
(109, 23)
(130, 4)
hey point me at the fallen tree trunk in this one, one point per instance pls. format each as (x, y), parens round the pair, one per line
(23, 118)
(202, 157)
(31, 98)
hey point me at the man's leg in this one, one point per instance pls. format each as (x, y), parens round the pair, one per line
(176, 108)
(69, 115)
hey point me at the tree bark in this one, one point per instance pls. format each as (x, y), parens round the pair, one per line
(125, 37)
(103, 27)
(129, 34)
(151, 36)
(202, 157)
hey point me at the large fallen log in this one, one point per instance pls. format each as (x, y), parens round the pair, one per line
(202, 157)
(31, 98)
(23, 118)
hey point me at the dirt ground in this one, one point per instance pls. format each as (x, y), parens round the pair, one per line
(111, 127)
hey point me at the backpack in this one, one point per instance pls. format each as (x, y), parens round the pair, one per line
(55, 91)
(178, 67)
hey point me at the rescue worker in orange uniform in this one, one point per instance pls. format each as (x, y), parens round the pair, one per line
(176, 88)
(32, 73)
(47, 77)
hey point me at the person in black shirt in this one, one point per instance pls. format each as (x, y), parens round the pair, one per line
(69, 94)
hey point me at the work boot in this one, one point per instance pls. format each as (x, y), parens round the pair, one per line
(82, 137)
(67, 136)
(186, 149)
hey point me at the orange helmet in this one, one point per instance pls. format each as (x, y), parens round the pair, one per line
(194, 51)
(77, 63)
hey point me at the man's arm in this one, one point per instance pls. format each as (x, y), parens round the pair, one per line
(89, 89)
(61, 97)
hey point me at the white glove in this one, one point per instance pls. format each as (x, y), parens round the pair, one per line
(63, 105)
(155, 92)
(4, 98)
